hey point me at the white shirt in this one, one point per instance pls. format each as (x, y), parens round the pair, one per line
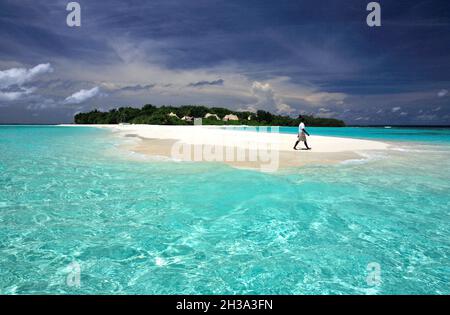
(301, 127)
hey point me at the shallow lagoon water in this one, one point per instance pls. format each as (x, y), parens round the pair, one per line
(139, 226)
(439, 135)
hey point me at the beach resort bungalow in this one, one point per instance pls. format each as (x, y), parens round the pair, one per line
(187, 118)
(230, 117)
(172, 114)
(212, 115)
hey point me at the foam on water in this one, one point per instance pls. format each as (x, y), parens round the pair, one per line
(366, 158)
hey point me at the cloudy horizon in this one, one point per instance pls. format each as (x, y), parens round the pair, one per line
(287, 57)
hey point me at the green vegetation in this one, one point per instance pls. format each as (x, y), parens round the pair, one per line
(153, 115)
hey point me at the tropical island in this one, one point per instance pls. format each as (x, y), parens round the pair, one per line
(185, 115)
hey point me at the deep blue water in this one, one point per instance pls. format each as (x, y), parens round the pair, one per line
(71, 197)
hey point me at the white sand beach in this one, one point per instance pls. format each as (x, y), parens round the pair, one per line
(169, 141)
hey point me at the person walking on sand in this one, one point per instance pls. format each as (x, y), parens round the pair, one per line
(302, 134)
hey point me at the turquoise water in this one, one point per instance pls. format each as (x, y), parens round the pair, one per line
(135, 225)
(434, 135)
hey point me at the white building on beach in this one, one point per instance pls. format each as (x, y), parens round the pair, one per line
(187, 118)
(172, 114)
(230, 117)
(208, 115)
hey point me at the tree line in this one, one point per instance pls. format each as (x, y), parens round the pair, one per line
(164, 115)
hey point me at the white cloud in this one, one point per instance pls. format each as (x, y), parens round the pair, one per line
(282, 95)
(41, 103)
(396, 109)
(82, 96)
(442, 93)
(267, 99)
(427, 117)
(12, 81)
(15, 95)
(325, 113)
(325, 97)
(403, 114)
(285, 109)
(20, 76)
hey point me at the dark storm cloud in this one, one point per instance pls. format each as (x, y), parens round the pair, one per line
(203, 83)
(405, 63)
(136, 88)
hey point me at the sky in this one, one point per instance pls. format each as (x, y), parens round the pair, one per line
(287, 57)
